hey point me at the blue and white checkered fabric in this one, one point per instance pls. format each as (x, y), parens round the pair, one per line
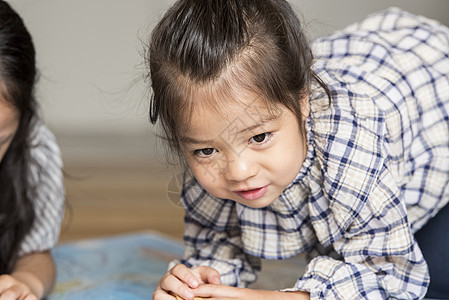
(377, 169)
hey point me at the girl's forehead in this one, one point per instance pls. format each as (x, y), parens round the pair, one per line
(229, 104)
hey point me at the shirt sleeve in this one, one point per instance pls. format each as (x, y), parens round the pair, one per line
(46, 174)
(379, 258)
(212, 236)
(357, 208)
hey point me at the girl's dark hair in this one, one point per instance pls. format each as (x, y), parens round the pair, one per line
(18, 75)
(255, 44)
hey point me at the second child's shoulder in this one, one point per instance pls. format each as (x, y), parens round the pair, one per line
(385, 28)
(392, 19)
(44, 145)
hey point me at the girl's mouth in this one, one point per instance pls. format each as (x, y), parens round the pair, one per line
(253, 194)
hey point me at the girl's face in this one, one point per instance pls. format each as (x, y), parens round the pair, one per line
(243, 151)
(9, 122)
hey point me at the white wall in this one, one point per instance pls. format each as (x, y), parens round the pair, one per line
(89, 54)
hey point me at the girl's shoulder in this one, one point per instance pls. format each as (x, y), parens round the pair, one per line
(45, 167)
(40, 133)
(391, 24)
(383, 33)
(393, 19)
(43, 145)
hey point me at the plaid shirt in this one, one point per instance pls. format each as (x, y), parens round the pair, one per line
(377, 170)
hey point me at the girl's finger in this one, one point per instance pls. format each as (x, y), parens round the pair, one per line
(213, 276)
(10, 294)
(208, 274)
(160, 294)
(6, 281)
(185, 275)
(173, 284)
(30, 297)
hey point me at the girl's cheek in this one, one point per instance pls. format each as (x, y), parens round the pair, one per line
(206, 176)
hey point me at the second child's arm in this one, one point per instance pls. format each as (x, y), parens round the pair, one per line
(32, 278)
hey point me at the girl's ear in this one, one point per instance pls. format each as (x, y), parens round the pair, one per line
(305, 105)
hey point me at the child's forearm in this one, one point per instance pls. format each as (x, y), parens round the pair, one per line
(38, 271)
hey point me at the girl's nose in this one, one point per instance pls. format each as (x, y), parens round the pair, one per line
(239, 168)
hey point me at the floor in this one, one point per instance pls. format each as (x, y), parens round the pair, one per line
(104, 200)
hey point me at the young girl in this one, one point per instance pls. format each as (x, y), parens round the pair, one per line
(343, 154)
(31, 190)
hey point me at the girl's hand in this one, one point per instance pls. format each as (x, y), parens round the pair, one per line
(181, 281)
(223, 292)
(12, 288)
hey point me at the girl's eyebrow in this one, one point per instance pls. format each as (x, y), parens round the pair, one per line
(261, 123)
(189, 140)
(253, 127)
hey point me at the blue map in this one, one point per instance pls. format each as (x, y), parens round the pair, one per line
(122, 267)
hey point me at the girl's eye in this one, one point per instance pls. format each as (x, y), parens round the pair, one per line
(260, 138)
(205, 152)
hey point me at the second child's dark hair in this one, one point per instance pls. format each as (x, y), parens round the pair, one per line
(17, 75)
(256, 44)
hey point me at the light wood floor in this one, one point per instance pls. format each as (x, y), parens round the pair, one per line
(111, 199)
